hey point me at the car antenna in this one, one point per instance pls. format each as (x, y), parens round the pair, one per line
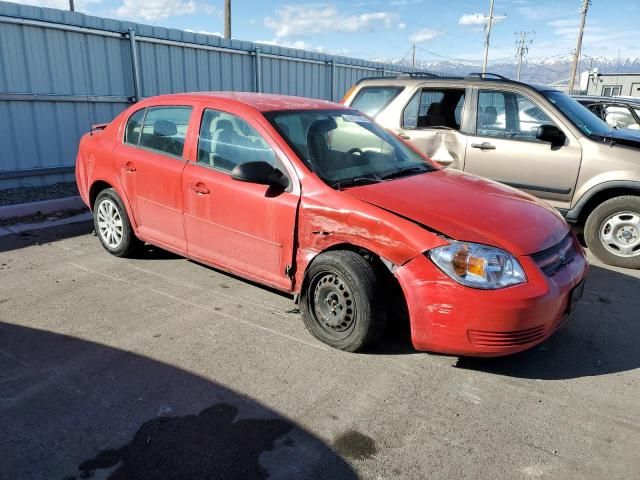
(86, 87)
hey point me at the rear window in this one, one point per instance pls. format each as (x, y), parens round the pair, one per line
(165, 128)
(371, 100)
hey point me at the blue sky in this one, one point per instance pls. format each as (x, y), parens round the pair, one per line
(382, 29)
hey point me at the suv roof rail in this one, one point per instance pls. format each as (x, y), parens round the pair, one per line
(420, 74)
(487, 76)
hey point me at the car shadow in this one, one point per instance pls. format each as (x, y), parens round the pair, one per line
(600, 338)
(71, 409)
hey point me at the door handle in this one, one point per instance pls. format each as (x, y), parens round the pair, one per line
(129, 167)
(404, 136)
(483, 146)
(199, 189)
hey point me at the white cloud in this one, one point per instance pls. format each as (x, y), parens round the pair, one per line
(424, 35)
(152, 10)
(310, 19)
(478, 19)
(472, 19)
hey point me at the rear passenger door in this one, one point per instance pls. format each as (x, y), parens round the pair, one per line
(242, 227)
(150, 161)
(433, 120)
(505, 147)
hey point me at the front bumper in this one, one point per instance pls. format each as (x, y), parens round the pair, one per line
(447, 317)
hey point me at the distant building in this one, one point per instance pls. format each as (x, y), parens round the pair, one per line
(613, 84)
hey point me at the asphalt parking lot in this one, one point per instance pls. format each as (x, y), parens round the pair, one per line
(158, 367)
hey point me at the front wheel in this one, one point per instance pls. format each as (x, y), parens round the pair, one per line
(112, 225)
(340, 302)
(612, 231)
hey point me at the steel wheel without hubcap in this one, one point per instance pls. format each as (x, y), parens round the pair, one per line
(620, 234)
(109, 223)
(333, 305)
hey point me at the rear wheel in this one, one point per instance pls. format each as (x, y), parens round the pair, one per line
(112, 224)
(340, 301)
(612, 231)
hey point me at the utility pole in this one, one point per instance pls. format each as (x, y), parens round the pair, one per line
(486, 38)
(227, 18)
(522, 50)
(413, 57)
(576, 54)
(72, 8)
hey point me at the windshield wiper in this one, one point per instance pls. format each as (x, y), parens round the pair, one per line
(352, 182)
(405, 172)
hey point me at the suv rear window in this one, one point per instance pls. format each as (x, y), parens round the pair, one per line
(371, 100)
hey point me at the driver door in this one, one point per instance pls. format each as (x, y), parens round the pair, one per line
(505, 148)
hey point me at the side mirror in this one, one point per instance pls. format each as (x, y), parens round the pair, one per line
(551, 134)
(261, 173)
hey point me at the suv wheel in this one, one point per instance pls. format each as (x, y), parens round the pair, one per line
(612, 231)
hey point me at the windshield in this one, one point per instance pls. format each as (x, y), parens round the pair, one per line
(580, 116)
(345, 148)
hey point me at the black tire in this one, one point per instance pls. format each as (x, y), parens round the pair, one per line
(128, 243)
(340, 301)
(599, 220)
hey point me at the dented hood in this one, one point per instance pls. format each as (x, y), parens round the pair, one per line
(469, 208)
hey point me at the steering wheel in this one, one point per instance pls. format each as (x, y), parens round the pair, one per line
(356, 150)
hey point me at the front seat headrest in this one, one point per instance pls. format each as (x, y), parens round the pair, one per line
(164, 128)
(323, 126)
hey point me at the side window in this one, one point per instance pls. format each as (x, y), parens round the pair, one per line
(134, 127)
(165, 129)
(508, 115)
(433, 108)
(227, 140)
(371, 100)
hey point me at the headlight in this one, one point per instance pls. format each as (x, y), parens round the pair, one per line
(478, 266)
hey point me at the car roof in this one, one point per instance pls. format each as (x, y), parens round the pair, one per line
(263, 102)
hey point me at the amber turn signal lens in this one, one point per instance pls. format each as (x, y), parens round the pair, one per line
(475, 265)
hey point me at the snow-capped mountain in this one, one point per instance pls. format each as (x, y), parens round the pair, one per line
(548, 70)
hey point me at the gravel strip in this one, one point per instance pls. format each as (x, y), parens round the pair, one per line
(13, 196)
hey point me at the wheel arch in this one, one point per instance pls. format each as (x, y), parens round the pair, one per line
(598, 194)
(98, 186)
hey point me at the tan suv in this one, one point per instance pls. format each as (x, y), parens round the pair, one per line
(529, 137)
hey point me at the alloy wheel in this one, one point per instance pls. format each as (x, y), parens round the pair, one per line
(110, 225)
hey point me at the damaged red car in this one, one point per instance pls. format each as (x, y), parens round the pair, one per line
(315, 199)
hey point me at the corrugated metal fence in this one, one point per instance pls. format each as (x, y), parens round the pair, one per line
(61, 71)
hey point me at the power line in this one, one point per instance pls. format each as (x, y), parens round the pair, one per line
(523, 49)
(576, 54)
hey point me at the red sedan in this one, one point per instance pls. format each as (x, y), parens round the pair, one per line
(313, 198)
